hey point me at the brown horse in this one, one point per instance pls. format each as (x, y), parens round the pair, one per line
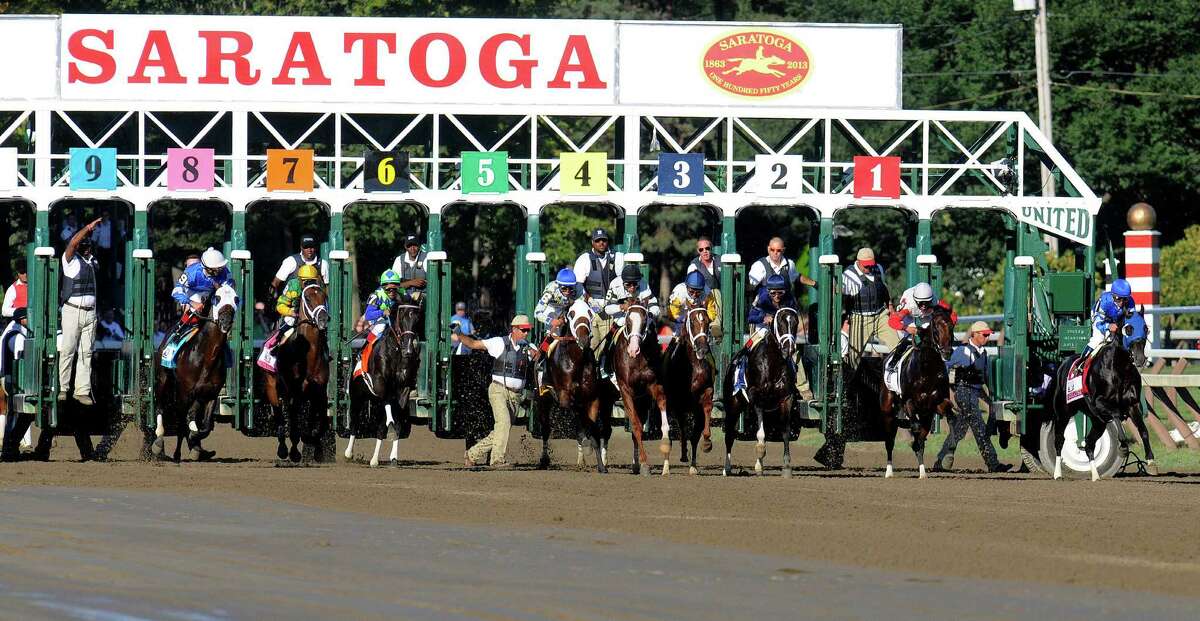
(770, 389)
(925, 386)
(184, 396)
(297, 387)
(689, 384)
(635, 358)
(573, 383)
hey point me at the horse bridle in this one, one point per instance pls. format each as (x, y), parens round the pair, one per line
(403, 333)
(687, 326)
(571, 323)
(785, 337)
(645, 310)
(311, 311)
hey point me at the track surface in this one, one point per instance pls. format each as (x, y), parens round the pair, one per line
(241, 538)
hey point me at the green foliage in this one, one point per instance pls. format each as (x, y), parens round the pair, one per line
(567, 229)
(1180, 268)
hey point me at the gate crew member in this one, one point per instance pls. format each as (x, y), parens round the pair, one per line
(17, 294)
(13, 424)
(78, 295)
(412, 267)
(708, 266)
(306, 256)
(969, 366)
(916, 306)
(512, 354)
(595, 270)
(865, 300)
(693, 292)
(775, 263)
(1108, 315)
(622, 292)
(775, 295)
(556, 300)
(196, 285)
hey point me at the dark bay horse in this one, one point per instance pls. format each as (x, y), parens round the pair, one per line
(296, 390)
(924, 386)
(689, 383)
(1114, 386)
(770, 389)
(388, 380)
(186, 394)
(636, 357)
(573, 381)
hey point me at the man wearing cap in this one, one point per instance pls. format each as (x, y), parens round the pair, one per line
(78, 298)
(306, 256)
(596, 270)
(13, 425)
(968, 366)
(463, 322)
(512, 355)
(412, 266)
(776, 263)
(865, 301)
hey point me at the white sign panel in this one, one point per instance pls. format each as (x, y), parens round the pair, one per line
(28, 58)
(337, 59)
(827, 66)
(1073, 223)
(778, 176)
(8, 169)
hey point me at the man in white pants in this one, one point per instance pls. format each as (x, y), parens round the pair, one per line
(78, 294)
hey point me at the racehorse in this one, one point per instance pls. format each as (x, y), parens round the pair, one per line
(636, 356)
(185, 395)
(297, 387)
(1113, 384)
(388, 379)
(924, 387)
(770, 387)
(690, 376)
(573, 384)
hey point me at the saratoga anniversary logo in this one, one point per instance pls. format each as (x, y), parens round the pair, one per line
(756, 63)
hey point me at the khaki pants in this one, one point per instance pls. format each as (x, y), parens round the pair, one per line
(863, 328)
(75, 349)
(600, 328)
(504, 404)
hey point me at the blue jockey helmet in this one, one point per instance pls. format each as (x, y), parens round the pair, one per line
(775, 282)
(1120, 287)
(695, 280)
(565, 278)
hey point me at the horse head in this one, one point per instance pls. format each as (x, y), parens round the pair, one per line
(1135, 336)
(784, 327)
(579, 321)
(313, 306)
(636, 318)
(225, 303)
(696, 328)
(941, 331)
(404, 318)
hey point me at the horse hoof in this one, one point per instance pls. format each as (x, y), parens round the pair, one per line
(374, 463)
(887, 474)
(665, 449)
(601, 468)
(758, 468)
(706, 444)
(394, 463)
(693, 470)
(544, 463)
(200, 454)
(1152, 468)
(644, 470)
(156, 447)
(725, 472)
(666, 468)
(282, 453)
(921, 471)
(760, 450)
(787, 473)
(295, 455)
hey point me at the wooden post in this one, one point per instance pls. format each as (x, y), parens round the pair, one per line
(1170, 397)
(1152, 418)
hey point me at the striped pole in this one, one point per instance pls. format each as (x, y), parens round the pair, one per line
(1141, 262)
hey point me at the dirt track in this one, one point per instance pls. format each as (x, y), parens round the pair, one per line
(1130, 534)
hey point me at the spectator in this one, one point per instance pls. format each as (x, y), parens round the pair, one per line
(15, 297)
(465, 326)
(69, 226)
(110, 328)
(190, 260)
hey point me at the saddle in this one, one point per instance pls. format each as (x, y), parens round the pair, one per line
(171, 349)
(891, 370)
(1077, 375)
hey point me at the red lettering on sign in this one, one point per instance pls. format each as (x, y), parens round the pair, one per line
(370, 54)
(577, 46)
(214, 57)
(301, 54)
(163, 57)
(524, 66)
(418, 58)
(83, 53)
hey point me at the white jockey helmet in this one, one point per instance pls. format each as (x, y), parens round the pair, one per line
(923, 292)
(212, 259)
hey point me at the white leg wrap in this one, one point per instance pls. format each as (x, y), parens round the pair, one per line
(1095, 475)
(3, 427)
(350, 448)
(887, 474)
(375, 456)
(921, 471)
(395, 450)
(1058, 467)
(761, 436)
(192, 427)
(387, 409)
(159, 429)
(666, 426)
(604, 455)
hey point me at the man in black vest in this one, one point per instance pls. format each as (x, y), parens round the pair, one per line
(307, 256)
(512, 355)
(595, 270)
(78, 298)
(412, 266)
(866, 302)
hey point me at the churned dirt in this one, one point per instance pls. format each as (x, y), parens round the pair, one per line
(1128, 533)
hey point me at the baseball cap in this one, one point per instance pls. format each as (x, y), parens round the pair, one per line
(521, 321)
(308, 241)
(979, 326)
(20, 313)
(412, 240)
(460, 306)
(600, 234)
(866, 256)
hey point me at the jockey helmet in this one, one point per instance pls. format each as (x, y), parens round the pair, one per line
(212, 259)
(631, 273)
(695, 280)
(775, 282)
(308, 272)
(565, 278)
(923, 292)
(1120, 288)
(389, 277)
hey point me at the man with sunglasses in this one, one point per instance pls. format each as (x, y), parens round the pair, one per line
(512, 355)
(595, 271)
(776, 263)
(705, 263)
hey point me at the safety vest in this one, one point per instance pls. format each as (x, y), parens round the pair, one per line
(21, 299)
(84, 282)
(509, 369)
(409, 272)
(599, 278)
(872, 294)
(298, 260)
(711, 279)
(769, 269)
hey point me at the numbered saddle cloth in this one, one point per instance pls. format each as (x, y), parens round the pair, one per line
(171, 349)
(1077, 376)
(891, 370)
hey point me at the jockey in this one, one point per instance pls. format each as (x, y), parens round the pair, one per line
(1109, 313)
(556, 298)
(380, 303)
(913, 312)
(775, 294)
(694, 292)
(198, 283)
(289, 299)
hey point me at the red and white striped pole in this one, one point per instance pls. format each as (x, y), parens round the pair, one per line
(1141, 262)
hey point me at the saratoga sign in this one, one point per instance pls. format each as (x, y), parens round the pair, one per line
(180, 58)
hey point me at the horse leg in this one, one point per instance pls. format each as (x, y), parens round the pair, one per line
(693, 435)
(375, 454)
(889, 441)
(295, 410)
(785, 410)
(1095, 433)
(635, 427)
(1140, 424)
(729, 427)
(160, 431)
(597, 431)
(760, 449)
(664, 446)
(1060, 440)
(706, 403)
(394, 458)
(918, 445)
(195, 434)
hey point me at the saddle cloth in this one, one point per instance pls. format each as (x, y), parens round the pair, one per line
(266, 359)
(1077, 377)
(360, 366)
(171, 349)
(891, 371)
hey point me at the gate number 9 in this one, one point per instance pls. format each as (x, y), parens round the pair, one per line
(94, 167)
